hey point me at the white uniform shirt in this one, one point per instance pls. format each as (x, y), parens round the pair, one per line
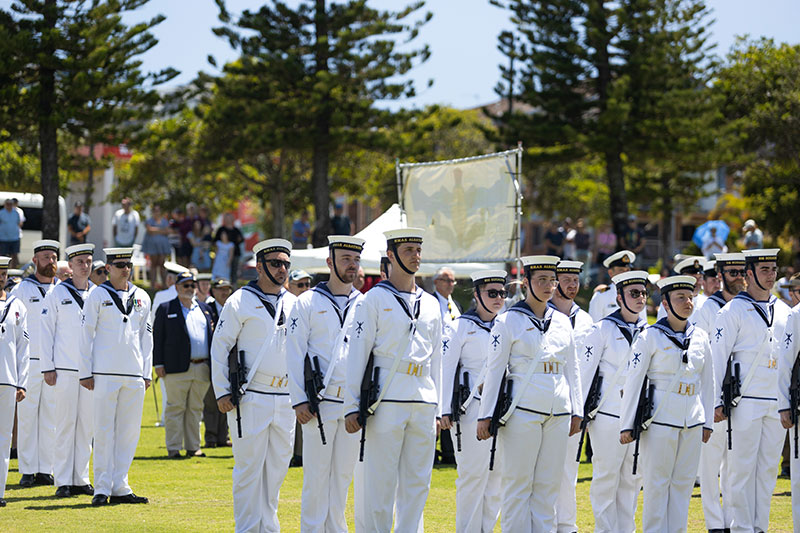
(61, 327)
(465, 341)
(32, 293)
(608, 347)
(381, 325)
(112, 343)
(245, 322)
(13, 343)
(517, 342)
(706, 315)
(581, 323)
(166, 295)
(316, 328)
(603, 303)
(658, 358)
(789, 347)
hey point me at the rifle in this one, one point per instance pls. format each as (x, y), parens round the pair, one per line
(237, 375)
(644, 410)
(500, 408)
(730, 394)
(591, 403)
(794, 398)
(460, 395)
(369, 394)
(312, 377)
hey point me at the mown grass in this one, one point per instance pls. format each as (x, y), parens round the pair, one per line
(195, 495)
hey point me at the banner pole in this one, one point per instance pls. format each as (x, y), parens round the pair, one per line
(399, 175)
(518, 177)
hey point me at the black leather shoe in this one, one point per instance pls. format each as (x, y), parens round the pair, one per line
(196, 453)
(128, 498)
(88, 490)
(2, 502)
(27, 480)
(99, 499)
(63, 491)
(44, 479)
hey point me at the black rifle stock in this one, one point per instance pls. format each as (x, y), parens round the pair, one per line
(794, 398)
(591, 403)
(644, 410)
(369, 394)
(730, 392)
(237, 375)
(312, 378)
(460, 395)
(500, 408)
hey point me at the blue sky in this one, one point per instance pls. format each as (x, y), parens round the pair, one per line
(462, 37)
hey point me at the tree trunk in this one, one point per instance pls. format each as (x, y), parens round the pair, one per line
(617, 196)
(278, 206)
(48, 141)
(89, 192)
(667, 242)
(322, 134)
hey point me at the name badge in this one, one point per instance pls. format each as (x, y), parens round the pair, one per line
(66, 302)
(33, 299)
(107, 303)
(172, 316)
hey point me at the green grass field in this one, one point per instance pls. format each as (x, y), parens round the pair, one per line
(195, 495)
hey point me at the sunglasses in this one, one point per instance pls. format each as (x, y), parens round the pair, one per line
(496, 293)
(101, 271)
(122, 265)
(735, 273)
(636, 293)
(277, 263)
(189, 285)
(304, 284)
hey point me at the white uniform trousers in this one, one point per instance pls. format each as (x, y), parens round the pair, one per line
(713, 475)
(794, 466)
(327, 472)
(753, 464)
(615, 490)
(118, 403)
(74, 430)
(566, 509)
(669, 466)
(261, 460)
(398, 457)
(184, 407)
(533, 449)
(7, 402)
(36, 431)
(477, 488)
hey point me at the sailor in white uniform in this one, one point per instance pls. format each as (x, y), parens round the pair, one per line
(790, 346)
(676, 359)
(711, 282)
(116, 364)
(714, 453)
(690, 266)
(748, 332)
(604, 299)
(604, 360)
(13, 367)
(36, 415)
(464, 354)
(534, 345)
(253, 322)
(316, 332)
(563, 300)
(397, 327)
(60, 330)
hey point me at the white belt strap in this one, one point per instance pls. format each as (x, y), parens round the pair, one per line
(265, 346)
(670, 388)
(750, 375)
(338, 349)
(521, 392)
(398, 356)
(609, 390)
(475, 387)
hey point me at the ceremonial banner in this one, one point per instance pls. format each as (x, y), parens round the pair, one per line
(468, 207)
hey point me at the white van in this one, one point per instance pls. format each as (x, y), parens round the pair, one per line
(31, 205)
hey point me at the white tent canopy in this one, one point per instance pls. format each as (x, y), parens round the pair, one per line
(313, 260)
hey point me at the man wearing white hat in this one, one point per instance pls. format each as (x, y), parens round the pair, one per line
(36, 415)
(604, 357)
(714, 453)
(13, 367)
(253, 322)
(710, 281)
(690, 266)
(604, 299)
(676, 359)
(62, 318)
(786, 366)
(464, 359)
(568, 274)
(316, 349)
(535, 345)
(748, 333)
(116, 364)
(398, 327)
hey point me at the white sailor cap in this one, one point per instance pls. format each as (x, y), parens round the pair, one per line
(45, 244)
(761, 255)
(4, 262)
(729, 259)
(632, 277)
(675, 283)
(711, 268)
(174, 268)
(346, 242)
(98, 264)
(15, 272)
(540, 262)
(484, 277)
(690, 265)
(204, 276)
(112, 254)
(79, 249)
(403, 235)
(569, 267)
(621, 258)
(272, 245)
